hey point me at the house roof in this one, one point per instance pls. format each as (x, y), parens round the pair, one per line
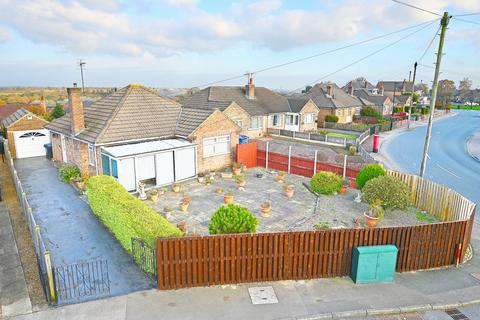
(10, 108)
(131, 113)
(130, 149)
(297, 104)
(358, 83)
(402, 100)
(220, 97)
(14, 117)
(339, 98)
(375, 99)
(189, 119)
(395, 85)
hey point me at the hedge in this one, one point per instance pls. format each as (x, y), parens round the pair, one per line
(232, 219)
(370, 172)
(325, 182)
(393, 193)
(124, 215)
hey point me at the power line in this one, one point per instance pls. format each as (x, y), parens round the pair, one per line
(429, 44)
(366, 57)
(319, 54)
(467, 21)
(415, 7)
(467, 14)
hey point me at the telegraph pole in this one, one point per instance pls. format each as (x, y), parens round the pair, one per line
(413, 89)
(81, 64)
(444, 23)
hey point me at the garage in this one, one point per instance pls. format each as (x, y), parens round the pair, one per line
(154, 163)
(25, 134)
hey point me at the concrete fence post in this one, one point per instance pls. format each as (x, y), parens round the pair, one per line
(344, 166)
(51, 284)
(344, 142)
(266, 156)
(309, 136)
(37, 239)
(289, 157)
(315, 162)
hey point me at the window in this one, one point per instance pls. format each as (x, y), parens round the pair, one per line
(106, 165)
(114, 168)
(255, 122)
(291, 119)
(309, 118)
(91, 155)
(216, 146)
(275, 120)
(239, 123)
(32, 135)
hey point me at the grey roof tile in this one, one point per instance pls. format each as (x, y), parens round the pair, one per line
(14, 117)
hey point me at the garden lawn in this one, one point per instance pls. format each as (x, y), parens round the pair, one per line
(477, 108)
(342, 135)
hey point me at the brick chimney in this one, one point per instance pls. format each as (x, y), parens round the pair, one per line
(76, 109)
(43, 104)
(330, 90)
(382, 89)
(250, 88)
(350, 88)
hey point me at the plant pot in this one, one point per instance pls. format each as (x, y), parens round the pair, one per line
(280, 179)
(370, 221)
(289, 193)
(161, 192)
(237, 171)
(80, 184)
(184, 206)
(228, 199)
(154, 197)
(265, 211)
(176, 189)
(241, 184)
(201, 179)
(343, 189)
(182, 225)
(226, 175)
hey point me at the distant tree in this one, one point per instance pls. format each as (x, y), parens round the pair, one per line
(369, 111)
(2, 102)
(446, 90)
(307, 89)
(422, 87)
(465, 85)
(58, 111)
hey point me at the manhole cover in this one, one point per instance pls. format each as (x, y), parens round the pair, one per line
(262, 295)
(476, 275)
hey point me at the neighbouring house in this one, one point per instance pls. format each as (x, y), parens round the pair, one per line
(136, 135)
(255, 109)
(382, 103)
(25, 134)
(332, 100)
(10, 108)
(401, 101)
(360, 84)
(394, 88)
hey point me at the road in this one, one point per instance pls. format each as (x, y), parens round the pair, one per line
(449, 162)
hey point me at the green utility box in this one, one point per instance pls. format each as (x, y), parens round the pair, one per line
(374, 264)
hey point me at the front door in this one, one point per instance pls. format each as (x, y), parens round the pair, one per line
(292, 122)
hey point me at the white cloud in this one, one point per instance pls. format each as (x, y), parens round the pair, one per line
(5, 35)
(104, 27)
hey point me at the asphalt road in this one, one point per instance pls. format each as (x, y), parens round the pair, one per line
(449, 162)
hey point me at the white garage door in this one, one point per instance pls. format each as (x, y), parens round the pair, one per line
(185, 163)
(30, 143)
(164, 168)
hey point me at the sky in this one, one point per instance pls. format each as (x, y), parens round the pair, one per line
(189, 43)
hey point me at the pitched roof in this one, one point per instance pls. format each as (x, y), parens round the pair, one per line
(14, 117)
(376, 99)
(133, 112)
(358, 83)
(398, 86)
(265, 101)
(339, 98)
(9, 108)
(402, 100)
(190, 119)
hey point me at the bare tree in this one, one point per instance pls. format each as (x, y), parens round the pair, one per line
(446, 90)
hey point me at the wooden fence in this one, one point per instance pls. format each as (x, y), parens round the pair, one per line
(238, 258)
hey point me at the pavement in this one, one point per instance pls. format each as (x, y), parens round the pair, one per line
(473, 145)
(14, 298)
(70, 230)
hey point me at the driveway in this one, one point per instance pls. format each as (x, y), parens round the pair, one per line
(70, 230)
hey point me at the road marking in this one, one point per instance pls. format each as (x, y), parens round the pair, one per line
(453, 174)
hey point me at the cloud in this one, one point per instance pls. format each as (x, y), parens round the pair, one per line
(107, 27)
(5, 35)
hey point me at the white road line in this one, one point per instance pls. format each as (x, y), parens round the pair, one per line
(453, 174)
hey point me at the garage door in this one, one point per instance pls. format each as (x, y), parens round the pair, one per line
(185, 160)
(164, 168)
(30, 143)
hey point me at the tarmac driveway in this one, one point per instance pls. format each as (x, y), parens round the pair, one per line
(70, 230)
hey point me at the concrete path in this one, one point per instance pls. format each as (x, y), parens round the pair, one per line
(70, 230)
(14, 298)
(473, 145)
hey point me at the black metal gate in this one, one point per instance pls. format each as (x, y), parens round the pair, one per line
(145, 257)
(81, 281)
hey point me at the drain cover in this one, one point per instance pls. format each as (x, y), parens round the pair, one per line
(456, 314)
(262, 295)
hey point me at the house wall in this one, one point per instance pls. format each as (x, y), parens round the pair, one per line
(322, 112)
(23, 124)
(216, 125)
(342, 114)
(310, 107)
(235, 112)
(77, 153)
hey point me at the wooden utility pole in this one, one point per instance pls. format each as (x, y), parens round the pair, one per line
(444, 23)
(413, 89)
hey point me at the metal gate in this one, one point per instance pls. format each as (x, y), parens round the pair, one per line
(145, 257)
(81, 281)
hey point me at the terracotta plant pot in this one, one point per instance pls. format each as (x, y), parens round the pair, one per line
(182, 225)
(241, 183)
(289, 193)
(154, 197)
(184, 206)
(228, 199)
(343, 189)
(265, 211)
(370, 221)
(176, 188)
(237, 171)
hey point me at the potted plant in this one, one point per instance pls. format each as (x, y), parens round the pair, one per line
(375, 214)
(208, 181)
(289, 190)
(345, 184)
(162, 191)
(265, 208)
(218, 190)
(240, 180)
(153, 195)
(212, 175)
(281, 176)
(201, 177)
(79, 182)
(175, 187)
(228, 197)
(168, 212)
(182, 225)
(184, 205)
(227, 175)
(236, 168)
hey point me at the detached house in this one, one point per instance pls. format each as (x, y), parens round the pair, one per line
(255, 109)
(332, 100)
(135, 135)
(370, 94)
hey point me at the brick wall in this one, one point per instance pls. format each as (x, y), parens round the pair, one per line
(321, 115)
(235, 112)
(77, 153)
(34, 123)
(217, 125)
(310, 107)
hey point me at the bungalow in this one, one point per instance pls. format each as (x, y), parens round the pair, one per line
(360, 84)
(135, 135)
(255, 109)
(331, 100)
(394, 88)
(382, 103)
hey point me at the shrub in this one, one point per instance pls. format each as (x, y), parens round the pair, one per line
(393, 193)
(124, 215)
(325, 182)
(352, 150)
(68, 172)
(232, 219)
(370, 112)
(331, 118)
(369, 172)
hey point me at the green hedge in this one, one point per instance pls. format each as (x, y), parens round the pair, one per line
(393, 193)
(331, 118)
(232, 219)
(368, 173)
(124, 215)
(325, 182)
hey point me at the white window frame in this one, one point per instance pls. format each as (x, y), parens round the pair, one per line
(309, 118)
(239, 123)
(214, 141)
(259, 123)
(276, 116)
(91, 155)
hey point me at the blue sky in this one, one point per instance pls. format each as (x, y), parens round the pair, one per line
(185, 43)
